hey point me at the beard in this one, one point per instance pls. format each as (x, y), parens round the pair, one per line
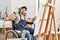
(23, 14)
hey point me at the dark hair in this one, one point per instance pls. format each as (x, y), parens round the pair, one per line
(24, 7)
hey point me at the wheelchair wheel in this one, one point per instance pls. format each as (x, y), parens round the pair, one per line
(11, 34)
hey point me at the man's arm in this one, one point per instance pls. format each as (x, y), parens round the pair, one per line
(10, 17)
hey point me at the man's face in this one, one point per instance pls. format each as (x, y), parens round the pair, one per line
(23, 10)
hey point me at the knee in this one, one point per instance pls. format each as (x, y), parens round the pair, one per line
(26, 32)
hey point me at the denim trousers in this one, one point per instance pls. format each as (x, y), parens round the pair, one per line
(25, 33)
(31, 30)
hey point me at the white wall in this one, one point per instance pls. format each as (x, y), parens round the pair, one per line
(3, 4)
(57, 12)
(30, 4)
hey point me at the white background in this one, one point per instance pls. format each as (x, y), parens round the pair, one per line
(30, 4)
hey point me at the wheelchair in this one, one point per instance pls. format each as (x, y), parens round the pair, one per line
(11, 34)
(14, 33)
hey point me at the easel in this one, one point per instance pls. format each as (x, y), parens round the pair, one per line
(4, 29)
(6, 12)
(50, 14)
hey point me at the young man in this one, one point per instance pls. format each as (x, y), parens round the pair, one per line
(24, 21)
(15, 18)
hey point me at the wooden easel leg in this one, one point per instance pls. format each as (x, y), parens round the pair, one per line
(44, 13)
(49, 34)
(47, 23)
(55, 36)
(45, 37)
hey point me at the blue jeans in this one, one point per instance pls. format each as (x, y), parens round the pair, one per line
(33, 38)
(26, 34)
(31, 30)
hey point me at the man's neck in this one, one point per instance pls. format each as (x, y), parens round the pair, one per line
(22, 14)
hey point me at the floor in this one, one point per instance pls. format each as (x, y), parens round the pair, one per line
(2, 36)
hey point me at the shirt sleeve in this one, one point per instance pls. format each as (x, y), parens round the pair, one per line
(17, 18)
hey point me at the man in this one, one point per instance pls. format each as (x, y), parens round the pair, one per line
(15, 18)
(24, 21)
